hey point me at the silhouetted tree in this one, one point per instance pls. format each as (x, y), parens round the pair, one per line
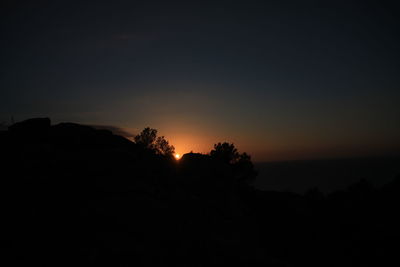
(241, 163)
(225, 152)
(146, 138)
(149, 140)
(244, 168)
(163, 147)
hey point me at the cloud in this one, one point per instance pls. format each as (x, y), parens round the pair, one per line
(115, 130)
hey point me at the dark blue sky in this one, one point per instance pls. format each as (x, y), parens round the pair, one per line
(281, 79)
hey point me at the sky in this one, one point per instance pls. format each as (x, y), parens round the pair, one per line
(282, 80)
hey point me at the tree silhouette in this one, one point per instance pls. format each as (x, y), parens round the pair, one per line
(241, 162)
(225, 152)
(163, 147)
(148, 139)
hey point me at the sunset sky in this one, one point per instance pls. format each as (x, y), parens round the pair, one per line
(280, 79)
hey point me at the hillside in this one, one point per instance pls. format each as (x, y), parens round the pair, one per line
(74, 195)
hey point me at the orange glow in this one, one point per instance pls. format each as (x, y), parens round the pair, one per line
(177, 156)
(187, 142)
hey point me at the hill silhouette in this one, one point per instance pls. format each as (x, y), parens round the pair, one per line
(76, 195)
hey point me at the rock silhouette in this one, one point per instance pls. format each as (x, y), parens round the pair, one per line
(74, 195)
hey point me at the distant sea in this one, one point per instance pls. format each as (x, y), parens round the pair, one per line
(327, 175)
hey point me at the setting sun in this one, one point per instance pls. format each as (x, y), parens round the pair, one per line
(177, 156)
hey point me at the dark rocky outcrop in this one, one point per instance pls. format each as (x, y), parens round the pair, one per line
(31, 126)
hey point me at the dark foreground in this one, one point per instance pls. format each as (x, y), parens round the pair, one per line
(328, 175)
(75, 196)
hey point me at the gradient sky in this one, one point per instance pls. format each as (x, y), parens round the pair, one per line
(280, 79)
